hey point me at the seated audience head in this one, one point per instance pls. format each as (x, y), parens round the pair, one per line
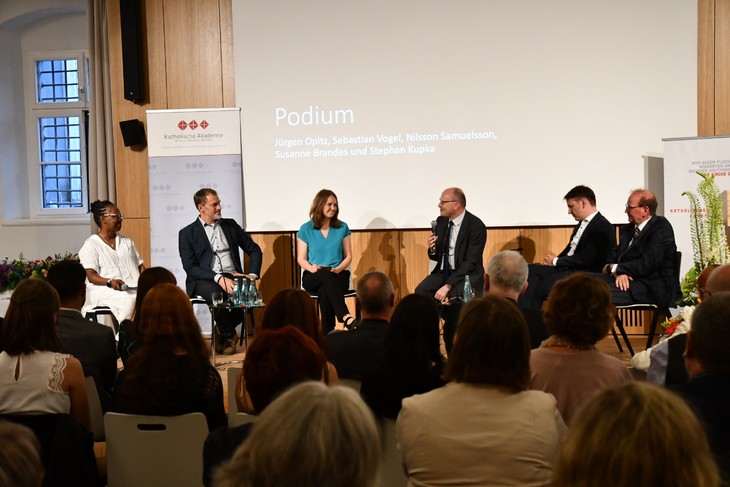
(278, 359)
(375, 295)
(20, 459)
(718, 281)
(31, 318)
(296, 308)
(150, 278)
(635, 434)
(412, 341)
(491, 345)
(167, 322)
(702, 292)
(579, 310)
(68, 278)
(296, 438)
(506, 274)
(708, 342)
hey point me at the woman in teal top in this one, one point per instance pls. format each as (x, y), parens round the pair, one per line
(324, 252)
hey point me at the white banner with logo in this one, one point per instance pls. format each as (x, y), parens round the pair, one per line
(682, 158)
(189, 150)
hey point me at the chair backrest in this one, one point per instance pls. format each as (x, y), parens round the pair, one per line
(392, 471)
(232, 374)
(95, 410)
(155, 450)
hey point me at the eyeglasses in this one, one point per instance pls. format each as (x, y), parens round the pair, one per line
(441, 202)
(113, 215)
(629, 207)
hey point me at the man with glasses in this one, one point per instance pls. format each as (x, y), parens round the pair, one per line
(209, 253)
(642, 268)
(457, 246)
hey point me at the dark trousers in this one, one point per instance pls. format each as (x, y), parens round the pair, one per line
(226, 319)
(449, 312)
(637, 293)
(541, 279)
(330, 289)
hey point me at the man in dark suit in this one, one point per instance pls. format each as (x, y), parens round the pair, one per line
(356, 353)
(209, 253)
(592, 241)
(457, 246)
(642, 269)
(707, 359)
(507, 277)
(90, 342)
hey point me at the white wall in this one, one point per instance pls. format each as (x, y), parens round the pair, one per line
(31, 25)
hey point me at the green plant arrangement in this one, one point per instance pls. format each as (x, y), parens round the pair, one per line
(707, 231)
(15, 270)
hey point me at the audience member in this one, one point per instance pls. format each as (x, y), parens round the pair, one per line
(299, 438)
(20, 459)
(664, 362)
(277, 359)
(112, 262)
(707, 356)
(411, 362)
(484, 427)
(129, 329)
(356, 354)
(457, 246)
(90, 342)
(170, 373)
(567, 364)
(34, 377)
(209, 253)
(592, 241)
(324, 251)
(507, 273)
(642, 268)
(635, 434)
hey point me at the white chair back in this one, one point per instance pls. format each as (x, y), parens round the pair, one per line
(232, 374)
(95, 411)
(392, 471)
(241, 418)
(155, 450)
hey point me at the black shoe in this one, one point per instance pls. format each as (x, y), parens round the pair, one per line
(351, 323)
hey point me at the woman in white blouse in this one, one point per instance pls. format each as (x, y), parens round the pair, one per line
(112, 263)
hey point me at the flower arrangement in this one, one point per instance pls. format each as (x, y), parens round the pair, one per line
(680, 323)
(14, 271)
(707, 230)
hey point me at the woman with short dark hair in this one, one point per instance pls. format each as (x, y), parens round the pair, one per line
(567, 365)
(484, 427)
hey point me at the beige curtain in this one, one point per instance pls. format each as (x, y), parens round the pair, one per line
(101, 144)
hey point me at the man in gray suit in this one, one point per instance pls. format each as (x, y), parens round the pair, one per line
(90, 342)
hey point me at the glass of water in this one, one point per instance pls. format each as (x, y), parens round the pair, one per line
(217, 298)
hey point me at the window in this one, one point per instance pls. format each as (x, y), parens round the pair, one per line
(57, 127)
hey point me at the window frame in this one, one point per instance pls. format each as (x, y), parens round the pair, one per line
(35, 111)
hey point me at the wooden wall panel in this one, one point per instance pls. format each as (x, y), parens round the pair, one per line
(193, 54)
(705, 67)
(541, 241)
(227, 60)
(376, 251)
(722, 67)
(138, 229)
(277, 270)
(413, 259)
(499, 239)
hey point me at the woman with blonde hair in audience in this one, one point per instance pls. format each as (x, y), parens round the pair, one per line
(567, 365)
(300, 437)
(636, 434)
(290, 307)
(129, 329)
(170, 373)
(484, 427)
(34, 377)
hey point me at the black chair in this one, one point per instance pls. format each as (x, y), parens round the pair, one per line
(656, 309)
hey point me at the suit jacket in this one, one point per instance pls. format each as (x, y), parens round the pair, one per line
(197, 254)
(594, 247)
(468, 253)
(93, 344)
(649, 260)
(356, 354)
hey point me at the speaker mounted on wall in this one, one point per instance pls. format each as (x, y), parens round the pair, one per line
(132, 132)
(130, 12)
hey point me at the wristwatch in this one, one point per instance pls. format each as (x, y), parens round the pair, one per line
(109, 283)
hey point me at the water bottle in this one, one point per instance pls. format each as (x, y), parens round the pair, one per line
(468, 291)
(236, 292)
(253, 293)
(243, 294)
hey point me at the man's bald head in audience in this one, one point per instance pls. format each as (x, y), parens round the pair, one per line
(719, 280)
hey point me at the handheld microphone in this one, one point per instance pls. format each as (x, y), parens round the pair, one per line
(433, 227)
(124, 287)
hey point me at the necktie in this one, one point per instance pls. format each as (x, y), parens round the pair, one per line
(447, 243)
(636, 234)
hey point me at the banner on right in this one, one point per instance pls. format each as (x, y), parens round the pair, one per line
(683, 157)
